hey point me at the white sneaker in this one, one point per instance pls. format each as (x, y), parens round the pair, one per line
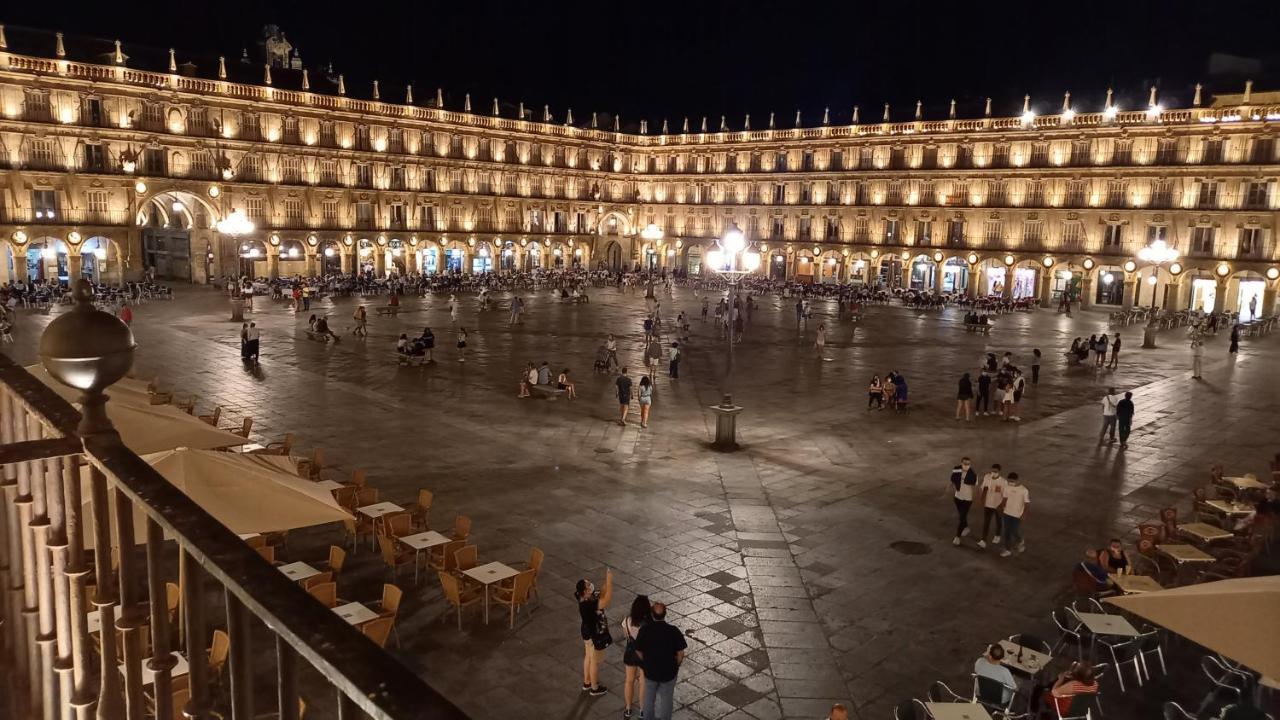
(964, 532)
(956, 541)
(1022, 547)
(982, 544)
(995, 540)
(1005, 553)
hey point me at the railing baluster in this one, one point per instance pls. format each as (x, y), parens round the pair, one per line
(197, 658)
(287, 672)
(162, 661)
(24, 503)
(78, 575)
(46, 637)
(10, 572)
(346, 708)
(110, 701)
(132, 619)
(241, 659)
(57, 544)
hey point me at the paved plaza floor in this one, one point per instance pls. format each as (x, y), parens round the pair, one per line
(782, 561)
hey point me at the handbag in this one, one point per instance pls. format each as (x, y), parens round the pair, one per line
(629, 656)
(601, 638)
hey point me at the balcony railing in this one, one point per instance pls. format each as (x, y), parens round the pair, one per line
(63, 216)
(46, 517)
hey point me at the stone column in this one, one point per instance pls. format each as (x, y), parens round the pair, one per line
(1220, 295)
(1046, 286)
(311, 263)
(1174, 295)
(380, 261)
(1269, 299)
(938, 276)
(1126, 300)
(273, 263)
(1086, 290)
(906, 274)
(75, 262)
(971, 286)
(20, 263)
(348, 262)
(411, 260)
(1007, 291)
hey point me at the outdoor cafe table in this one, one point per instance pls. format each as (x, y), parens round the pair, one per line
(487, 575)
(330, 485)
(1104, 624)
(957, 711)
(1134, 584)
(1031, 661)
(419, 542)
(298, 571)
(1228, 508)
(1185, 553)
(375, 511)
(1245, 483)
(1204, 531)
(355, 613)
(149, 676)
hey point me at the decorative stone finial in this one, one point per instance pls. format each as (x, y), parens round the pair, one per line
(986, 112)
(89, 350)
(60, 49)
(723, 125)
(1066, 101)
(1107, 105)
(919, 109)
(797, 119)
(118, 57)
(342, 85)
(704, 123)
(173, 62)
(520, 110)
(685, 127)
(222, 65)
(746, 123)
(855, 115)
(4, 43)
(951, 114)
(644, 127)
(1195, 102)
(617, 123)
(408, 94)
(666, 129)
(886, 112)
(439, 98)
(1151, 99)
(1026, 104)
(546, 113)
(826, 116)
(771, 125)
(568, 117)
(466, 103)
(1248, 91)
(376, 94)
(266, 74)
(306, 83)
(594, 121)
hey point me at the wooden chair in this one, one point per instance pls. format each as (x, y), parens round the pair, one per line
(218, 653)
(1152, 532)
(515, 594)
(395, 524)
(213, 417)
(357, 527)
(441, 557)
(346, 497)
(366, 496)
(283, 447)
(245, 426)
(337, 559)
(1169, 519)
(318, 579)
(311, 468)
(461, 527)
(392, 557)
(326, 593)
(422, 510)
(358, 478)
(458, 595)
(188, 406)
(536, 556)
(465, 557)
(268, 553)
(389, 605)
(378, 630)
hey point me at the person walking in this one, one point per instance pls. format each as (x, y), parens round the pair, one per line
(1108, 417)
(624, 395)
(462, 344)
(591, 607)
(673, 368)
(661, 649)
(1124, 418)
(1197, 358)
(361, 318)
(706, 306)
(820, 339)
(1035, 366)
(633, 686)
(991, 494)
(1234, 349)
(244, 342)
(611, 347)
(644, 396)
(253, 341)
(1016, 500)
(964, 399)
(963, 482)
(1115, 352)
(984, 393)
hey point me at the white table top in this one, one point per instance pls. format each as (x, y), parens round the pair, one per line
(355, 613)
(330, 484)
(424, 540)
(297, 571)
(1134, 584)
(377, 510)
(1185, 553)
(95, 618)
(490, 573)
(1032, 662)
(1245, 483)
(249, 536)
(957, 711)
(1103, 624)
(1228, 508)
(1269, 682)
(1204, 531)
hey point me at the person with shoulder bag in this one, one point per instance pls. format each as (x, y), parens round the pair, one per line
(633, 688)
(595, 630)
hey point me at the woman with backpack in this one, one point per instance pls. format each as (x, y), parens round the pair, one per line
(595, 630)
(633, 687)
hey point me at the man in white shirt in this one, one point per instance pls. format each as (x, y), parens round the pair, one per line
(1197, 357)
(1016, 500)
(990, 666)
(1108, 416)
(991, 494)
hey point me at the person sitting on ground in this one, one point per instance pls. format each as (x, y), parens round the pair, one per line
(990, 666)
(428, 342)
(1090, 577)
(402, 345)
(1077, 680)
(564, 383)
(528, 378)
(322, 328)
(311, 323)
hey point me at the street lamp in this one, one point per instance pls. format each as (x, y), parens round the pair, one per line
(1156, 254)
(732, 259)
(652, 235)
(234, 225)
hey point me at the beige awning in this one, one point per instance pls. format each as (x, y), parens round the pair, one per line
(127, 390)
(247, 493)
(1238, 618)
(153, 428)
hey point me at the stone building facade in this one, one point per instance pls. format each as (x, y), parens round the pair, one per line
(110, 171)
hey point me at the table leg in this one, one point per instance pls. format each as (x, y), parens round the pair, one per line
(486, 604)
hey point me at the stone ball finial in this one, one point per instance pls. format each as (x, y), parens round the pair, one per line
(89, 350)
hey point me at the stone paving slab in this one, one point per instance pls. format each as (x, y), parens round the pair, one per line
(777, 559)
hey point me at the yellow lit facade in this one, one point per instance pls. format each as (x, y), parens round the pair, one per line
(111, 171)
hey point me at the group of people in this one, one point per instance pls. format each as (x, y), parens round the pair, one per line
(1001, 378)
(1003, 498)
(541, 375)
(891, 393)
(1094, 575)
(250, 343)
(422, 346)
(1095, 351)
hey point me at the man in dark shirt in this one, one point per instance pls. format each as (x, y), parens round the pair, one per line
(661, 649)
(1124, 418)
(624, 395)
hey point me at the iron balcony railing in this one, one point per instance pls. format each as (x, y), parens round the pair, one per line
(56, 668)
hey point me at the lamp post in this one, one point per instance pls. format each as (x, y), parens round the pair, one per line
(1156, 254)
(234, 225)
(732, 259)
(651, 234)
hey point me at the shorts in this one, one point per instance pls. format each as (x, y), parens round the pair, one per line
(624, 399)
(561, 386)
(461, 344)
(644, 402)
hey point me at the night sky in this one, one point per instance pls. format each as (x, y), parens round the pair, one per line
(714, 57)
